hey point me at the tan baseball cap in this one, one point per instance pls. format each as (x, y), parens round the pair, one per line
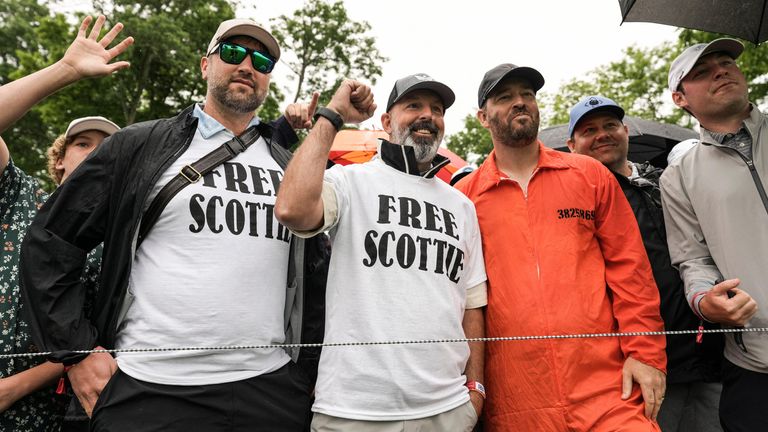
(91, 123)
(244, 27)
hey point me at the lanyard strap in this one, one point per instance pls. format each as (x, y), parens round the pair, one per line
(192, 173)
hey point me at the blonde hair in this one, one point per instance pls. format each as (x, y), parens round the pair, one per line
(55, 153)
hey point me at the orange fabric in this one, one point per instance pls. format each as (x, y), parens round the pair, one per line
(359, 146)
(549, 257)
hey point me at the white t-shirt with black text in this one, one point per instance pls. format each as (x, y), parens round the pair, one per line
(405, 251)
(211, 272)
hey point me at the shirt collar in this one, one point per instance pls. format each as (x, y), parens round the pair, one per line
(723, 137)
(209, 126)
(403, 158)
(491, 176)
(750, 125)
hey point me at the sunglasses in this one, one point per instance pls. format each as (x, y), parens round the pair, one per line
(235, 54)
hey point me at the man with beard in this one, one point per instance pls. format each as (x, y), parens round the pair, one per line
(716, 212)
(216, 269)
(407, 264)
(563, 256)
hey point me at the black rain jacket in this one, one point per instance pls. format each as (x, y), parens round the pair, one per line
(687, 361)
(102, 201)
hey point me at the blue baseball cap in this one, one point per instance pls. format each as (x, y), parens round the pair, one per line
(592, 104)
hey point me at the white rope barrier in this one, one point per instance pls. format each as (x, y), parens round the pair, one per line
(399, 342)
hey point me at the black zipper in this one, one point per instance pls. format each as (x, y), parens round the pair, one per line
(738, 338)
(755, 176)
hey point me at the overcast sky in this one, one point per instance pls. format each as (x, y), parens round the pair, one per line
(457, 42)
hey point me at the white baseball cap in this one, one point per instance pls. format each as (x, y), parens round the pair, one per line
(680, 149)
(91, 123)
(244, 27)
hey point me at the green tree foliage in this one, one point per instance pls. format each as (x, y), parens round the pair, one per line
(170, 38)
(637, 82)
(328, 46)
(17, 32)
(270, 109)
(20, 21)
(473, 143)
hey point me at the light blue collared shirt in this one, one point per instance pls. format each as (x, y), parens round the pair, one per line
(209, 126)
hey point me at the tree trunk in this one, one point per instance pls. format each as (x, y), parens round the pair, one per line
(141, 78)
(302, 73)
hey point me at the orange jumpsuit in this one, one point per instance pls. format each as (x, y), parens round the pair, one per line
(566, 258)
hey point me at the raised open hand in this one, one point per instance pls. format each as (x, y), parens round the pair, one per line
(88, 56)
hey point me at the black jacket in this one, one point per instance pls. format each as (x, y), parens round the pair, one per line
(102, 202)
(686, 360)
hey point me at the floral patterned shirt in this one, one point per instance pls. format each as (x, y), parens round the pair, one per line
(20, 198)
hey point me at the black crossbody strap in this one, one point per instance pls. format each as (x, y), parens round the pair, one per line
(192, 173)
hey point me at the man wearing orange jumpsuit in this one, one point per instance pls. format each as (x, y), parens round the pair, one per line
(563, 255)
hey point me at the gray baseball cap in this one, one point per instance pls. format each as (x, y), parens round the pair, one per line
(420, 81)
(683, 64)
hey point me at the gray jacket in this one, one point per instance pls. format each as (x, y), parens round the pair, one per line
(717, 228)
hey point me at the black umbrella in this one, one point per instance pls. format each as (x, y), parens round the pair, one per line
(649, 141)
(741, 18)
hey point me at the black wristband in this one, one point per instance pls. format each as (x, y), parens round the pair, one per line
(331, 115)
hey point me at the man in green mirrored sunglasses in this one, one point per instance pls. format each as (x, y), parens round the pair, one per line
(216, 269)
(233, 53)
(237, 64)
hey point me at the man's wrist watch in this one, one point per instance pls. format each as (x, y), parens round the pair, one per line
(330, 115)
(476, 386)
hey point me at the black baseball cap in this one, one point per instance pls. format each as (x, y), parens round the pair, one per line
(420, 81)
(494, 76)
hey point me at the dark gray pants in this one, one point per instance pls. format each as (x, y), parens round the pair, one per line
(743, 403)
(275, 402)
(691, 407)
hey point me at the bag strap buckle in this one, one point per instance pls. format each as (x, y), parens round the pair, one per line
(190, 173)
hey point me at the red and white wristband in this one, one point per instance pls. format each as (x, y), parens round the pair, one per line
(476, 386)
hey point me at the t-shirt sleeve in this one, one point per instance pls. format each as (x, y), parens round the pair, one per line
(330, 212)
(474, 270)
(335, 196)
(477, 296)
